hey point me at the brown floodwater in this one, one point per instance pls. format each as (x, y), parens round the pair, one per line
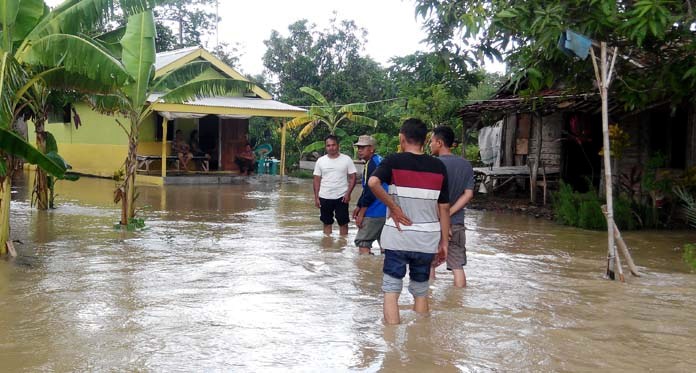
(240, 278)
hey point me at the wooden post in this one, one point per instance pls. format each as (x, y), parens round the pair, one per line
(510, 130)
(164, 147)
(283, 130)
(534, 169)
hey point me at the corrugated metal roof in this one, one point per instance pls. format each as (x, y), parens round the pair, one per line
(238, 103)
(165, 58)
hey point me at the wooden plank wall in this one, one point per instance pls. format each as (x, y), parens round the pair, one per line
(551, 133)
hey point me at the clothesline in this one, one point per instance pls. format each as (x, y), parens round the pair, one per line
(582, 95)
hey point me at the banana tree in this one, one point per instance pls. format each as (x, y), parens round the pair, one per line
(135, 100)
(32, 35)
(324, 112)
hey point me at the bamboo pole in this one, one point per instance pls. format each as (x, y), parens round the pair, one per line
(621, 244)
(603, 83)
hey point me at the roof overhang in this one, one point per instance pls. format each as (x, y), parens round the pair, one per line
(226, 107)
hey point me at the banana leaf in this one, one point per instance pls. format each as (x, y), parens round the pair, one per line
(11, 143)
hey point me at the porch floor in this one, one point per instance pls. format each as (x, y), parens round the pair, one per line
(201, 178)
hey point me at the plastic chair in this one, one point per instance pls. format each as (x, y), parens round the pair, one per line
(262, 151)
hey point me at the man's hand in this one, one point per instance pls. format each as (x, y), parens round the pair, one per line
(316, 202)
(441, 255)
(346, 198)
(358, 216)
(399, 218)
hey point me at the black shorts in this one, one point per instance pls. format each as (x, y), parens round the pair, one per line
(331, 206)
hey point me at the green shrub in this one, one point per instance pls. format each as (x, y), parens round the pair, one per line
(590, 214)
(564, 205)
(584, 210)
(302, 174)
(623, 214)
(690, 255)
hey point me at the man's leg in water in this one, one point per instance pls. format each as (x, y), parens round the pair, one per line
(391, 308)
(459, 278)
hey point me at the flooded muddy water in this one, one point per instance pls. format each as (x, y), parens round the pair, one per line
(241, 278)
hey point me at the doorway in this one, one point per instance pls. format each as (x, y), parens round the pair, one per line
(209, 137)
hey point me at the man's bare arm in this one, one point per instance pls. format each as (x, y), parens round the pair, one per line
(316, 183)
(351, 186)
(461, 202)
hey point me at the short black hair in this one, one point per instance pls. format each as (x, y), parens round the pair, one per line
(414, 130)
(331, 137)
(444, 133)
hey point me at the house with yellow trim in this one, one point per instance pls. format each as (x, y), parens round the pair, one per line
(97, 145)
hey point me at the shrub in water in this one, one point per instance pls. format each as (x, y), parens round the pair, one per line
(690, 255)
(590, 214)
(623, 214)
(564, 205)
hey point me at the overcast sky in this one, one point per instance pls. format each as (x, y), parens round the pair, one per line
(392, 27)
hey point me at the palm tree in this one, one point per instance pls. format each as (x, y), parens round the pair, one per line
(38, 46)
(331, 115)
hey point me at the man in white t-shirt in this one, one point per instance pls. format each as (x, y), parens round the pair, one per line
(334, 180)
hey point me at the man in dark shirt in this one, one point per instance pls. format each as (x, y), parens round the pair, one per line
(460, 177)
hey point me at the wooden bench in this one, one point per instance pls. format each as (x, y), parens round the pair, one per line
(144, 161)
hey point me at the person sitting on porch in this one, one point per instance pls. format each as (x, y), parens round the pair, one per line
(182, 150)
(245, 160)
(195, 145)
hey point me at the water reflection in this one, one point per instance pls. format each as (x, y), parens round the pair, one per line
(240, 277)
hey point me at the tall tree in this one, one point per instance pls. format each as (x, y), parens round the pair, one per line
(657, 35)
(328, 60)
(433, 91)
(192, 19)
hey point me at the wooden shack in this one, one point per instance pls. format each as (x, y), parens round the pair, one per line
(564, 131)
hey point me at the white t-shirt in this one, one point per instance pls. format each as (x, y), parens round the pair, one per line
(334, 175)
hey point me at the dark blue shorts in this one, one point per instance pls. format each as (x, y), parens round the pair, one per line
(395, 262)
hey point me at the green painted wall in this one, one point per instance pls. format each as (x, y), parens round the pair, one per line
(148, 129)
(96, 128)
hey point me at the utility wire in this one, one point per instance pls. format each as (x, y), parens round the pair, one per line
(583, 95)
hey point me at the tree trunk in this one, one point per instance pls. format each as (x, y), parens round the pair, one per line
(128, 186)
(5, 196)
(41, 179)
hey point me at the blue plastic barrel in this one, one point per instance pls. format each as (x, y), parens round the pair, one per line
(274, 167)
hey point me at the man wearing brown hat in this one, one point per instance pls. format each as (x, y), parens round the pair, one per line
(370, 213)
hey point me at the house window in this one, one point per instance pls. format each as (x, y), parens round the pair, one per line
(158, 129)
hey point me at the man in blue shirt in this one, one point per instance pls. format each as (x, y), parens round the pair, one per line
(370, 213)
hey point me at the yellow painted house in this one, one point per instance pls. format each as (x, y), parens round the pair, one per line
(98, 146)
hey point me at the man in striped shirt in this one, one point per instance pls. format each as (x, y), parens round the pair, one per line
(416, 230)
